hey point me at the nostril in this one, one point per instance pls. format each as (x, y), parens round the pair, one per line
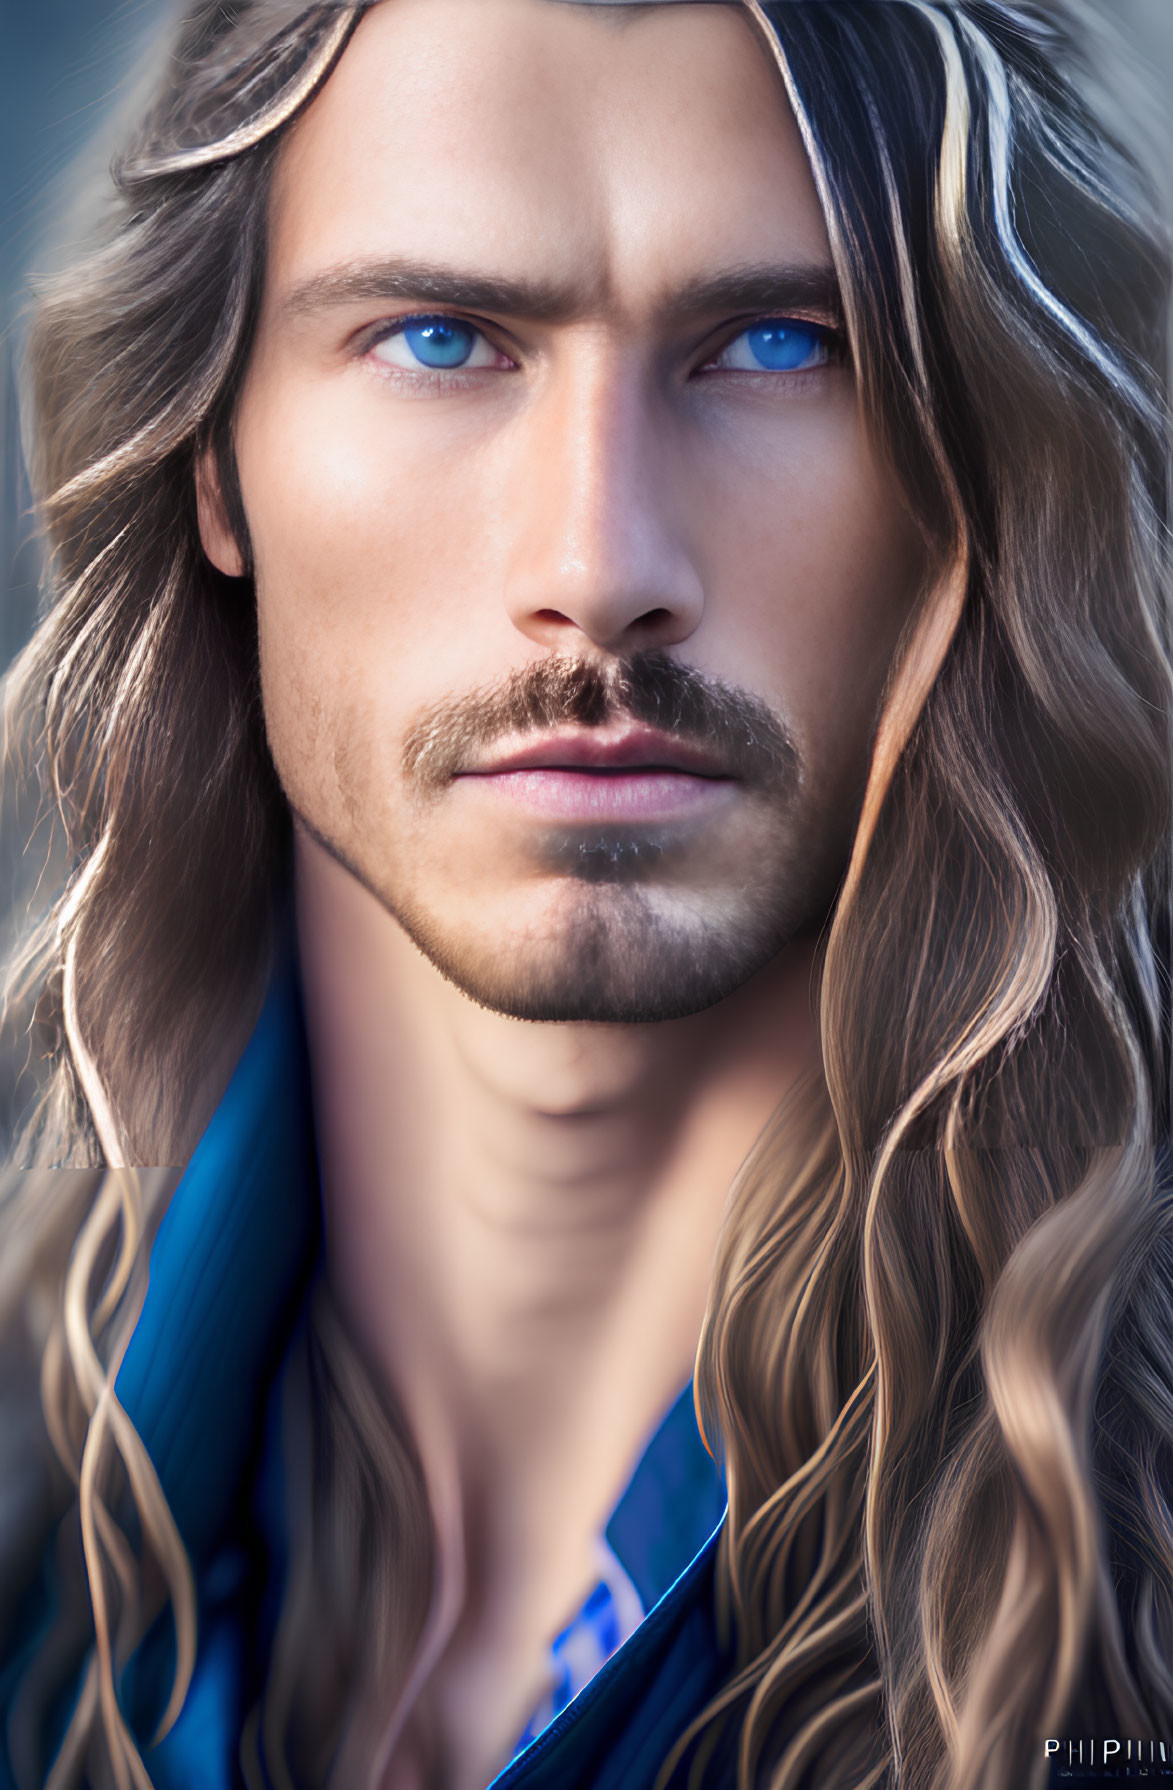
(551, 615)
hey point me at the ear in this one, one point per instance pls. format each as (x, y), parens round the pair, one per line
(216, 536)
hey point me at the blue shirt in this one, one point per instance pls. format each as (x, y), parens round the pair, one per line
(230, 1269)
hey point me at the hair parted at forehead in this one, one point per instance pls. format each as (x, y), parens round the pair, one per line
(937, 1357)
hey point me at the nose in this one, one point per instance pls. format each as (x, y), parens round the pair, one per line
(600, 551)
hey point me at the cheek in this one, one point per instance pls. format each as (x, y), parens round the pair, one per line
(362, 562)
(299, 690)
(368, 515)
(333, 734)
(821, 561)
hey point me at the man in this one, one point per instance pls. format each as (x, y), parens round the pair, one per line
(709, 722)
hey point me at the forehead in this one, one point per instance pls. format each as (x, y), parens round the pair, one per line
(632, 147)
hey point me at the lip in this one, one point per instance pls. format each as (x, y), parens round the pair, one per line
(604, 751)
(632, 776)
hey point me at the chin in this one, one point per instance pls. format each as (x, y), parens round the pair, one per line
(618, 957)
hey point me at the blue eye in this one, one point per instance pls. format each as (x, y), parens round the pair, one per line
(777, 345)
(440, 342)
(435, 344)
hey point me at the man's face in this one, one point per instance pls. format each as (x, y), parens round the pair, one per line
(577, 577)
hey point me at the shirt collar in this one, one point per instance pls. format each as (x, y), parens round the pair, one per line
(228, 1273)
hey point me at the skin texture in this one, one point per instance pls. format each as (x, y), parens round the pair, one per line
(596, 492)
(527, 1132)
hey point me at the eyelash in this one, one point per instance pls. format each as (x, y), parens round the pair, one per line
(833, 339)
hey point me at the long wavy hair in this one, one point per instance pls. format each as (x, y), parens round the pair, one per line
(938, 1354)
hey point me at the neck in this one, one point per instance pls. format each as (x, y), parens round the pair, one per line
(520, 1227)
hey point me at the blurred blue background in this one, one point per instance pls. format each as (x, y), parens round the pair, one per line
(63, 66)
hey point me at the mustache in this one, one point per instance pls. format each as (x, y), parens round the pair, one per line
(737, 728)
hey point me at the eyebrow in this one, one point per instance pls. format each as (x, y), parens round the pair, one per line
(753, 286)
